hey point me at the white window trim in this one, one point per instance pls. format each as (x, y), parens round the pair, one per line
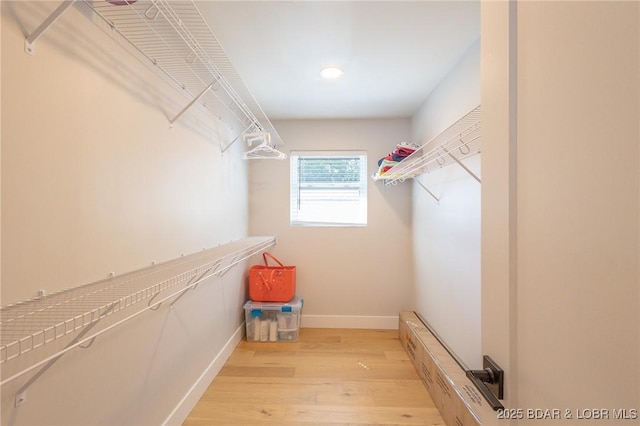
(294, 188)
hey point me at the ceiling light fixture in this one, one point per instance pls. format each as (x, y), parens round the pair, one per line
(331, 73)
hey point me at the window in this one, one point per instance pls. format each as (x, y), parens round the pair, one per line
(328, 188)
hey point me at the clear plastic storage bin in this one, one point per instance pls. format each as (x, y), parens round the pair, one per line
(273, 322)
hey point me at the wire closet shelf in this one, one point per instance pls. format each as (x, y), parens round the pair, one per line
(32, 324)
(174, 37)
(457, 142)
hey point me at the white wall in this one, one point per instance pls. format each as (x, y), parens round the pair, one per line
(446, 234)
(348, 277)
(560, 207)
(95, 181)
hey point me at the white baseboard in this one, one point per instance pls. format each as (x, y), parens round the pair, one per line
(349, 321)
(193, 395)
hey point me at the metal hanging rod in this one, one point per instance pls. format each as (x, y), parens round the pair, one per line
(176, 39)
(29, 326)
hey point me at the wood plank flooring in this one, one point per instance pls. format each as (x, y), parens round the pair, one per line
(328, 377)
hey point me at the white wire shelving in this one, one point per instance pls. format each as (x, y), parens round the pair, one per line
(33, 324)
(174, 37)
(457, 142)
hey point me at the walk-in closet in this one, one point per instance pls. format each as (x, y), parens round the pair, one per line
(456, 185)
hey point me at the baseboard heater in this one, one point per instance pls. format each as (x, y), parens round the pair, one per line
(454, 393)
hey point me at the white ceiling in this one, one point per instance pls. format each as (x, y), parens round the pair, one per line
(393, 53)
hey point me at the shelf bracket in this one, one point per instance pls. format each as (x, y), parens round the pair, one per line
(223, 271)
(251, 125)
(190, 104)
(30, 41)
(21, 394)
(428, 192)
(466, 169)
(196, 280)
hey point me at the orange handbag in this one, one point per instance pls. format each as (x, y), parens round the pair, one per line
(272, 283)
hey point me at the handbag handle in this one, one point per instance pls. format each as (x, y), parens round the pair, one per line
(264, 257)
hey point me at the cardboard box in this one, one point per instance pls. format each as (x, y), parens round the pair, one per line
(457, 399)
(409, 339)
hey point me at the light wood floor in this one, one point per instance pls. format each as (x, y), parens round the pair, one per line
(328, 377)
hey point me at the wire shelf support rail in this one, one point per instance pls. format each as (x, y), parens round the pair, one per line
(177, 40)
(29, 325)
(457, 142)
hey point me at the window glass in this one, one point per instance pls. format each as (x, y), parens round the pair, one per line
(328, 188)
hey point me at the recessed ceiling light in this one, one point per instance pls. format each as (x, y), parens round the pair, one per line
(331, 72)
